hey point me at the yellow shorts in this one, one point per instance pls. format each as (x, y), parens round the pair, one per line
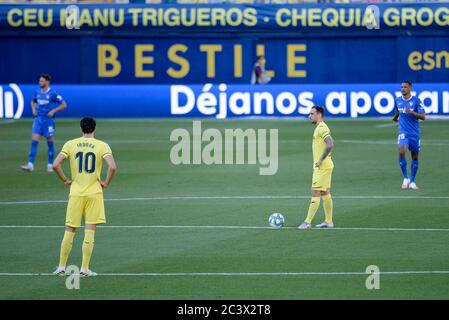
(91, 207)
(321, 179)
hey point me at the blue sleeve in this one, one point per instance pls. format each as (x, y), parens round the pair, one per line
(419, 106)
(35, 97)
(57, 98)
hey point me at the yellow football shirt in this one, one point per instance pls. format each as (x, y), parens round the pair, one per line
(319, 145)
(86, 161)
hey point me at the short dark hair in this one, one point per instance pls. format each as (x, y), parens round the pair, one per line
(46, 76)
(319, 110)
(260, 57)
(407, 82)
(88, 125)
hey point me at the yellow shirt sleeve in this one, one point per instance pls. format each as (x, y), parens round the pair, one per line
(106, 150)
(324, 132)
(65, 151)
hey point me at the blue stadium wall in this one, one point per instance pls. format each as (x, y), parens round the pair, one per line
(128, 51)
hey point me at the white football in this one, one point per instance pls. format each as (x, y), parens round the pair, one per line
(276, 220)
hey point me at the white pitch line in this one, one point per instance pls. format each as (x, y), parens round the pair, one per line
(227, 274)
(431, 142)
(388, 142)
(149, 141)
(228, 227)
(2, 122)
(227, 198)
(385, 125)
(32, 202)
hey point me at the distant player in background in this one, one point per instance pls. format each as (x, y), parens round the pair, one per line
(259, 75)
(409, 111)
(45, 104)
(86, 155)
(323, 166)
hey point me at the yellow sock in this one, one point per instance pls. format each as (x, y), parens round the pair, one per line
(88, 248)
(313, 208)
(328, 205)
(66, 247)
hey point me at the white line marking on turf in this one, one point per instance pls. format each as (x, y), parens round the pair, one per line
(385, 125)
(2, 122)
(428, 142)
(227, 198)
(391, 142)
(112, 142)
(32, 202)
(227, 227)
(220, 274)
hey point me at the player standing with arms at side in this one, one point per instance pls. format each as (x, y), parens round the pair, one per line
(322, 170)
(86, 156)
(409, 111)
(45, 104)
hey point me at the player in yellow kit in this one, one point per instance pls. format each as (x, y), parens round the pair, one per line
(86, 155)
(322, 170)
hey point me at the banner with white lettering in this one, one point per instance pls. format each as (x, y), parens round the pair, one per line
(223, 101)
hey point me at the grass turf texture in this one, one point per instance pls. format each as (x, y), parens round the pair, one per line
(365, 157)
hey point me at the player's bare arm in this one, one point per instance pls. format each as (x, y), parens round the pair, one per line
(396, 116)
(421, 116)
(62, 106)
(112, 169)
(329, 145)
(57, 167)
(33, 107)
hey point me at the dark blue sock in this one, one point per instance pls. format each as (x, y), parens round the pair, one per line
(33, 151)
(403, 165)
(51, 151)
(415, 165)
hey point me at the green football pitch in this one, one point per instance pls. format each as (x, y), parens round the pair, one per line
(201, 231)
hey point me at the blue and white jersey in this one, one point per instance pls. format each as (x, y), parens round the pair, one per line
(46, 101)
(408, 123)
